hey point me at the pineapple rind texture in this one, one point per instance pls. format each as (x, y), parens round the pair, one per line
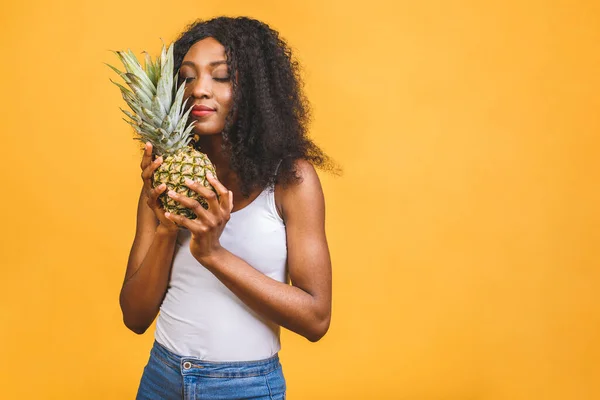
(190, 164)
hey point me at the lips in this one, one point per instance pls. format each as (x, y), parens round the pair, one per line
(202, 111)
(200, 107)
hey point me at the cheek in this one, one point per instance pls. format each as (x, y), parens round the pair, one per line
(187, 93)
(226, 99)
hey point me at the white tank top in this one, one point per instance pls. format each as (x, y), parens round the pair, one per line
(200, 316)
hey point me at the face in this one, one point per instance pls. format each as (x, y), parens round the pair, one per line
(208, 83)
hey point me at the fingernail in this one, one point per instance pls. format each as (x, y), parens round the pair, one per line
(210, 175)
(188, 181)
(171, 193)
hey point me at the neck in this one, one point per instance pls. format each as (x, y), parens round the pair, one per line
(211, 145)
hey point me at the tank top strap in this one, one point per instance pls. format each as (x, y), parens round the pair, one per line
(277, 167)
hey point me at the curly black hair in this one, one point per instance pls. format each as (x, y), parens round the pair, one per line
(272, 112)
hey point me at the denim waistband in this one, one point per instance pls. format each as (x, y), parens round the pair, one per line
(215, 369)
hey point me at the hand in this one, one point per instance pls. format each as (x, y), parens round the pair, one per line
(206, 229)
(148, 167)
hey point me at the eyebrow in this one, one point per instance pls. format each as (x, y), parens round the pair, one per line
(212, 64)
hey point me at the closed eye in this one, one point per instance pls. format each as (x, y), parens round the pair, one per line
(188, 80)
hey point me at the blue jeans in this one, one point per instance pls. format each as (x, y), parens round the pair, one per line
(170, 376)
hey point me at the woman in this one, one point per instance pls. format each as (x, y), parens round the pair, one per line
(220, 281)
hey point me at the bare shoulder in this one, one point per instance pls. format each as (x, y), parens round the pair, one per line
(299, 196)
(303, 209)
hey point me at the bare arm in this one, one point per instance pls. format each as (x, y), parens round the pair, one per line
(148, 269)
(150, 258)
(305, 307)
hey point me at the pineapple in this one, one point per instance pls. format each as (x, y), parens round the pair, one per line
(159, 118)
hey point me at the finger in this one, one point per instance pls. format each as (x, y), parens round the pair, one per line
(153, 197)
(209, 195)
(148, 172)
(156, 192)
(221, 190)
(192, 204)
(147, 157)
(180, 220)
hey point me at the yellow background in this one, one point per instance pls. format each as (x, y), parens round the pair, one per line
(464, 232)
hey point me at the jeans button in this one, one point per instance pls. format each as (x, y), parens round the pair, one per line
(187, 365)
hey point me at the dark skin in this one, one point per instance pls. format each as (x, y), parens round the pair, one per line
(304, 306)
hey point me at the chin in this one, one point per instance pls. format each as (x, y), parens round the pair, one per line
(206, 131)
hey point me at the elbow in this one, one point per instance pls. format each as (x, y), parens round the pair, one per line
(319, 329)
(138, 329)
(131, 319)
(134, 325)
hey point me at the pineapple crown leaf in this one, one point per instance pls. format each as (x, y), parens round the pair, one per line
(128, 96)
(163, 56)
(133, 66)
(151, 117)
(151, 68)
(135, 80)
(176, 107)
(156, 101)
(120, 73)
(130, 115)
(157, 108)
(164, 89)
(131, 123)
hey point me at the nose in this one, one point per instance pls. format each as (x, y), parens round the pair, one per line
(201, 87)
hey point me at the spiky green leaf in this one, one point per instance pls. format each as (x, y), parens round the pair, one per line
(133, 66)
